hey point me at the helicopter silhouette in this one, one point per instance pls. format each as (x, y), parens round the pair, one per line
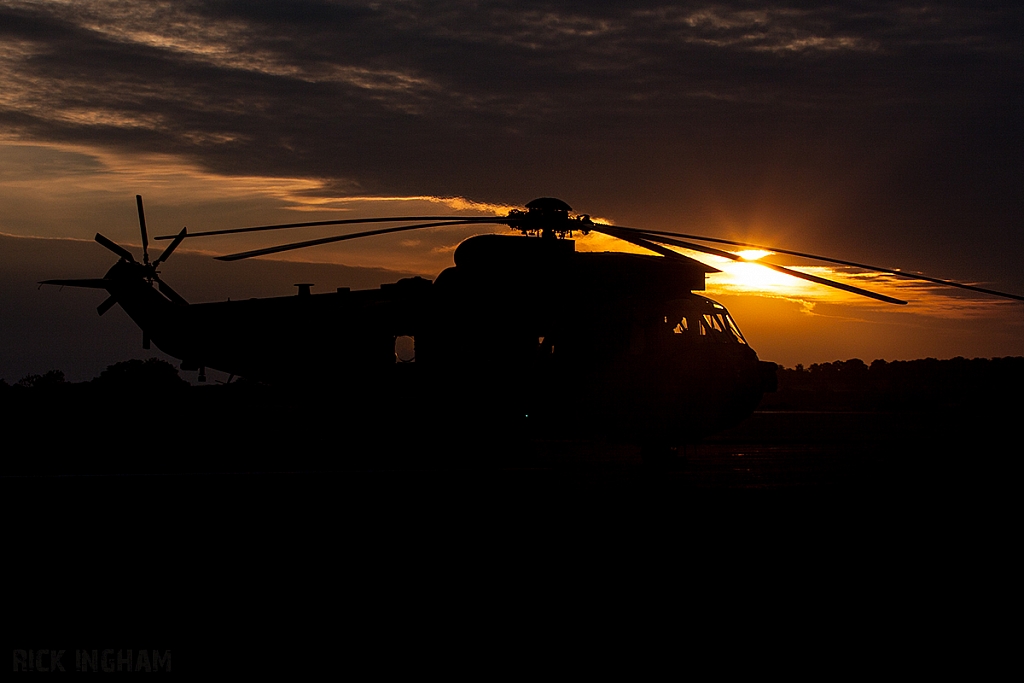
(641, 356)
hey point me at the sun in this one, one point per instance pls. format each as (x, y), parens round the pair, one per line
(753, 254)
(747, 276)
(754, 277)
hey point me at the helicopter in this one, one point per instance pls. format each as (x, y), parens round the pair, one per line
(639, 356)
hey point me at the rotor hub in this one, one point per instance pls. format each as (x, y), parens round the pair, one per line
(549, 217)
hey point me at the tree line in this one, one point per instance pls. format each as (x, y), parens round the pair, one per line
(915, 384)
(152, 374)
(985, 383)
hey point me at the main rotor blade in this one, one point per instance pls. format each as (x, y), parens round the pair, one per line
(641, 242)
(116, 248)
(91, 283)
(781, 269)
(827, 259)
(106, 305)
(342, 238)
(347, 221)
(170, 293)
(142, 227)
(171, 247)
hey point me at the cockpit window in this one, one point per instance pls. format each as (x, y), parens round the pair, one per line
(700, 320)
(734, 329)
(712, 323)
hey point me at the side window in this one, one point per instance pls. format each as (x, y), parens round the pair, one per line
(405, 349)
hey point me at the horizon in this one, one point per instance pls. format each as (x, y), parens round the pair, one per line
(28, 380)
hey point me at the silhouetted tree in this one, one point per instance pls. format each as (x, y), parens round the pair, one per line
(151, 376)
(49, 380)
(925, 384)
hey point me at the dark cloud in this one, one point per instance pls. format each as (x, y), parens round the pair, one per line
(860, 123)
(42, 163)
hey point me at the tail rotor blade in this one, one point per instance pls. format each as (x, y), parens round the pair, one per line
(170, 293)
(116, 248)
(142, 227)
(106, 305)
(91, 283)
(173, 245)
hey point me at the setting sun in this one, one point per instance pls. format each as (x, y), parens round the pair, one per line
(751, 276)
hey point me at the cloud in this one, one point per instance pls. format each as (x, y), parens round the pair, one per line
(406, 81)
(881, 122)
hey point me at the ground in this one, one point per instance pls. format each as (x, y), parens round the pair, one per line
(241, 542)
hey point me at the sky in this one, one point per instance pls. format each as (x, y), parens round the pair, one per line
(882, 133)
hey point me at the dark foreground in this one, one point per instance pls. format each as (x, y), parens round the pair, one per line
(157, 446)
(242, 542)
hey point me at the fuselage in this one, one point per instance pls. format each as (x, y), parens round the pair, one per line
(610, 341)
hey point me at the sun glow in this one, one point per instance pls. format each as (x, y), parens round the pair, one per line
(752, 276)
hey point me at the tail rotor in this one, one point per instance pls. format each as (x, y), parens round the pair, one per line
(146, 270)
